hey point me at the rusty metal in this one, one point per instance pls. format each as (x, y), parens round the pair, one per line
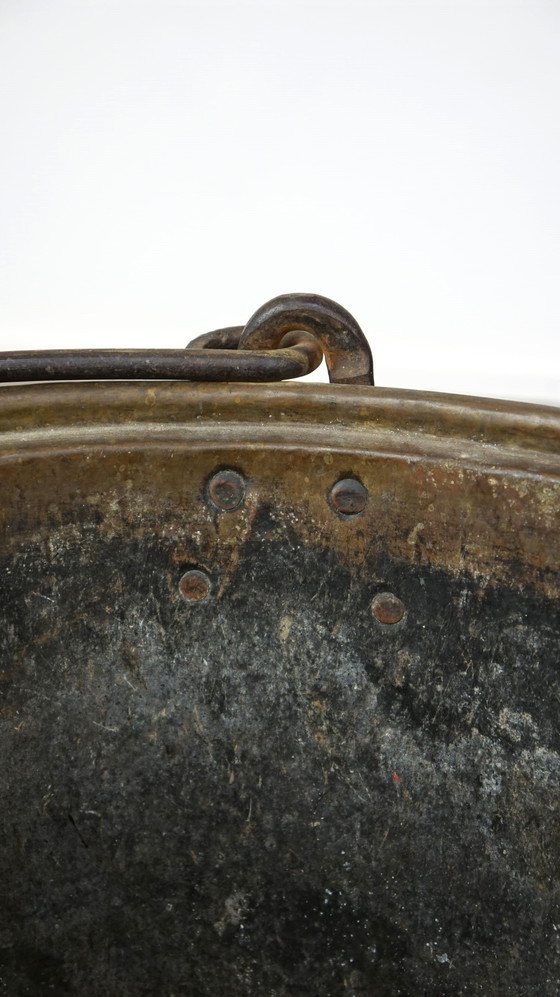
(280, 322)
(226, 490)
(388, 608)
(283, 348)
(348, 497)
(346, 349)
(195, 585)
(300, 357)
(278, 788)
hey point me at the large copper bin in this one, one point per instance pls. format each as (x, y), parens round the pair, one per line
(280, 688)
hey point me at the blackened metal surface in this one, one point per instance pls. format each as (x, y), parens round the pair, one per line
(275, 789)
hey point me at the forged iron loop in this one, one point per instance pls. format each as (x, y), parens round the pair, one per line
(286, 338)
(346, 349)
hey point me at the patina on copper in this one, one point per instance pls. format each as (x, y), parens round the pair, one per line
(280, 787)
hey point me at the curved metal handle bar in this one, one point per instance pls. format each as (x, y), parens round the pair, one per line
(286, 338)
(346, 349)
(297, 358)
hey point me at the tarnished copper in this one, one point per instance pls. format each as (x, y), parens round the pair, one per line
(263, 746)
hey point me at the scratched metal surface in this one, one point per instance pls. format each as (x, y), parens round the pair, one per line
(224, 772)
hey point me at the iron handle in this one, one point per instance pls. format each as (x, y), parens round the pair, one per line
(286, 338)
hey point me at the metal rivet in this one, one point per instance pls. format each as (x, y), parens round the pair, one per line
(387, 608)
(226, 490)
(195, 586)
(348, 497)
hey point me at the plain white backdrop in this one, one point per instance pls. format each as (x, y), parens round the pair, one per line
(167, 166)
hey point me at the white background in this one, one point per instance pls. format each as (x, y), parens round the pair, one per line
(166, 167)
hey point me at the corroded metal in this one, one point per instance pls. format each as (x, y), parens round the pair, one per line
(301, 356)
(338, 771)
(286, 338)
(388, 608)
(226, 490)
(348, 497)
(274, 326)
(195, 586)
(346, 349)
